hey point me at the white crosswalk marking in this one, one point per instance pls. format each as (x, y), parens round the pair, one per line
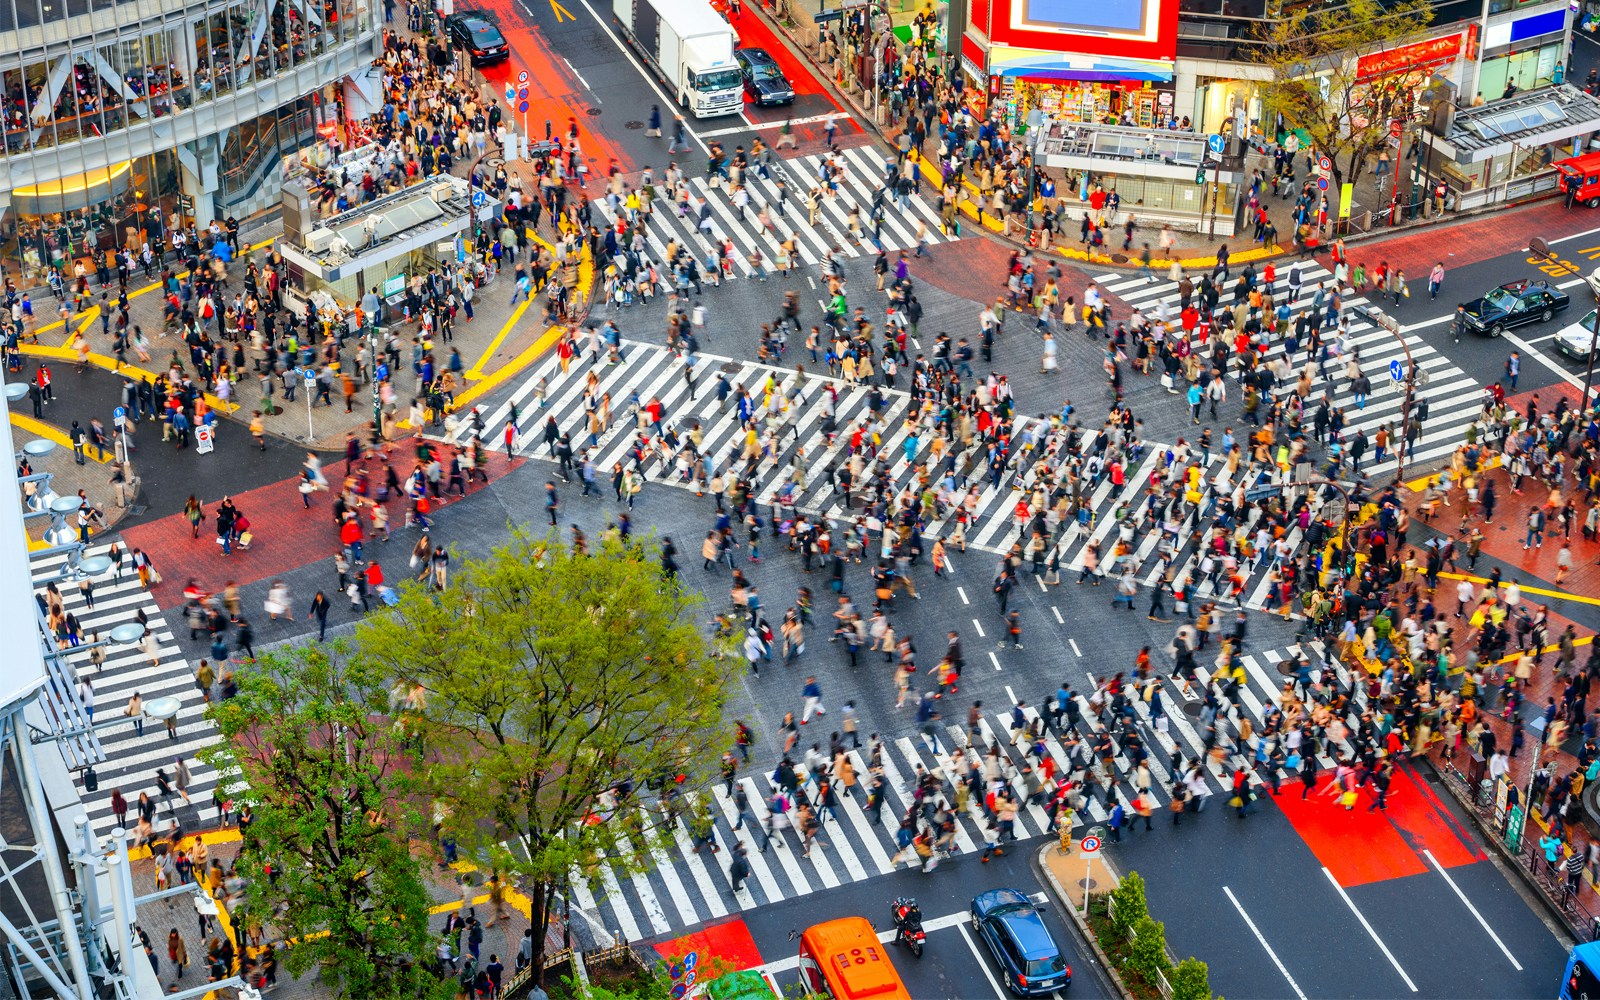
(681, 889)
(861, 177)
(131, 759)
(1453, 396)
(648, 371)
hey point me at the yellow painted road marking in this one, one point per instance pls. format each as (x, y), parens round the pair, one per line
(1559, 595)
(514, 366)
(111, 364)
(476, 371)
(38, 428)
(968, 207)
(561, 12)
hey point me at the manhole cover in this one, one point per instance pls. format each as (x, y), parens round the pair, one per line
(1191, 708)
(635, 125)
(595, 112)
(136, 509)
(1088, 884)
(1286, 668)
(731, 367)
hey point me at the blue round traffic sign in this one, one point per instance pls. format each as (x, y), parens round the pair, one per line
(522, 93)
(691, 960)
(511, 93)
(1397, 371)
(478, 198)
(522, 107)
(1215, 142)
(1322, 184)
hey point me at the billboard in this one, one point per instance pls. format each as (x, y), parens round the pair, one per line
(1136, 29)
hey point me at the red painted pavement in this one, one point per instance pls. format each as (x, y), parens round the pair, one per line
(287, 535)
(718, 948)
(755, 33)
(1360, 847)
(554, 92)
(1469, 241)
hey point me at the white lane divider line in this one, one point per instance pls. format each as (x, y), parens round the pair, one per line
(1261, 939)
(963, 592)
(1372, 933)
(983, 962)
(1074, 644)
(1059, 620)
(979, 626)
(1474, 911)
(994, 659)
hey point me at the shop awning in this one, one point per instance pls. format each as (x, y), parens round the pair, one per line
(1524, 121)
(1008, 60)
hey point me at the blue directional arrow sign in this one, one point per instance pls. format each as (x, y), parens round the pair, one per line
(1215, 142)
(478, 198)
(1397, 371)
(511, 93)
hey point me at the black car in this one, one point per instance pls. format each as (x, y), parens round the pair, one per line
(477, 34)
(763, 79)
(1515, 304)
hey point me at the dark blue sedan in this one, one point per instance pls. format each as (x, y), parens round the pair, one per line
(1010, 924)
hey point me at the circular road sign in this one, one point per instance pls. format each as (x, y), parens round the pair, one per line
(1322, 184)
(1089, 844)
(522, 107)
(522, 93)
(522, 77)
(1323, 163)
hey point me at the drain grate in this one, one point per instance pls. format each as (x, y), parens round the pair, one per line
(595, 112)
(633, 125)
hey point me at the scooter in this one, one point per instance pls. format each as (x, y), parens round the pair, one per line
(907, 917)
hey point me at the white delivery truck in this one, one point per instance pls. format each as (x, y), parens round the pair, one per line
(690, 47)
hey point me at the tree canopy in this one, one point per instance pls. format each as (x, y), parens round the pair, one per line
(557, 687)
(323, 861)
(1327, 82)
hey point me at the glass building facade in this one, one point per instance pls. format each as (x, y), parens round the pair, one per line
(124, 118)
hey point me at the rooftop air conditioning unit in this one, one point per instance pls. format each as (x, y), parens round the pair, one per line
(319, 240)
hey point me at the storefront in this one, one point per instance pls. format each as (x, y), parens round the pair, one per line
(1141, 103)
(1078, 63)
(1524, 52)
(79, 217)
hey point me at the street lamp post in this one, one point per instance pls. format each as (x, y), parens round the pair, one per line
(1413, 377)
(1539, 248)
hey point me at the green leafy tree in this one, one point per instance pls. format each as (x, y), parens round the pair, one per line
(1148, 954)
(1320, 86)
(1190, 980)
(1130, 903)
(550, 678)
(307, 734)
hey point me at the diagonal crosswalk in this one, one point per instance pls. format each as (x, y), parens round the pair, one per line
(132, 759)
(684, 887)
(1454, 397)
(808, 406)
(859, 181)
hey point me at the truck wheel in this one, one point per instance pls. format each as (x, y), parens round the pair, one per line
(1497, 329)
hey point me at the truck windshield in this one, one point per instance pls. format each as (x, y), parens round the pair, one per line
(717, 79)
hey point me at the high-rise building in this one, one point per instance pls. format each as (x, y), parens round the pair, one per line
(126, 118)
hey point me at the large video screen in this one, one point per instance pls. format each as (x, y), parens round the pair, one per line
(1075, 15)
(1144, 29)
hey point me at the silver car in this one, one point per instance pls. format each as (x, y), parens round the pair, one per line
(1577, 340)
